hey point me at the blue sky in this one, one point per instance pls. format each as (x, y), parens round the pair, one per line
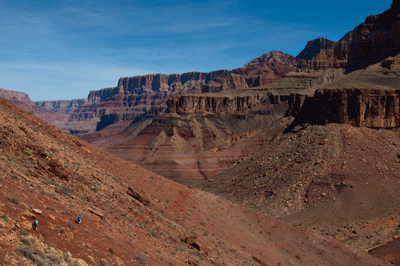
(61, 50)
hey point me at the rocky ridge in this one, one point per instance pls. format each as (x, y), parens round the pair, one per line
(313, 48)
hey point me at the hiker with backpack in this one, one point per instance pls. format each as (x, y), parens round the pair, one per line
(35, 225)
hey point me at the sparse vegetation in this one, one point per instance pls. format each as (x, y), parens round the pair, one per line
(14, 200)
(27, 242)
(23, 232)
(27, 153)
(62, 230)
(65, 190)
(67, 259)
(140, 258)
(27, 249)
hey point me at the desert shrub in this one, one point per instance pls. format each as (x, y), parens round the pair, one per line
(28, 252)
(23, 232)
(140, 258)
(111, 250)
(27, 242)
(27, 153)
(54, 259)
(67, 259)
(66, 190)
(62, 230)
(54, 195)
(14, 200)
(5, 217)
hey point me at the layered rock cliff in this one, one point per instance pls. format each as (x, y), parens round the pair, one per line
(136, 95)
(369, 43)
(364, 98)
(62, 108)
(67, 105)
(192, 104)
(356, 107)
(375, 39)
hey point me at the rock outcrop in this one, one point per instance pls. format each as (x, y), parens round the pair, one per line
(267, 68)
(375, 39)
(21, 96)
(139, 196)
(313, 48)
(365, 98)
(357, 107)
(23, 101)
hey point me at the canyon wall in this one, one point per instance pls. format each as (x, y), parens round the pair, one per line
(369, 43)
(192, 104)
(137, 95)
(357, 107)
(61, 104)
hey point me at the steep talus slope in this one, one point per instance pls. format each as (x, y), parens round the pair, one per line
(129, 216)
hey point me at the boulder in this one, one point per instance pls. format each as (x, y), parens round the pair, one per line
(141, 197)
(189, 239)
(37, 211)
(96, 212)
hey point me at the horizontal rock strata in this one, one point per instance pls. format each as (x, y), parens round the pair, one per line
(357, 107)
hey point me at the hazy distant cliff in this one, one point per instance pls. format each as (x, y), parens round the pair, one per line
(61, 104)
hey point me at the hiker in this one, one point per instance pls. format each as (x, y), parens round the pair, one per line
(35, 225)
(79, 219)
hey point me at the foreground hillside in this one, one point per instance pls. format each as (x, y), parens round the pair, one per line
(130, 216)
